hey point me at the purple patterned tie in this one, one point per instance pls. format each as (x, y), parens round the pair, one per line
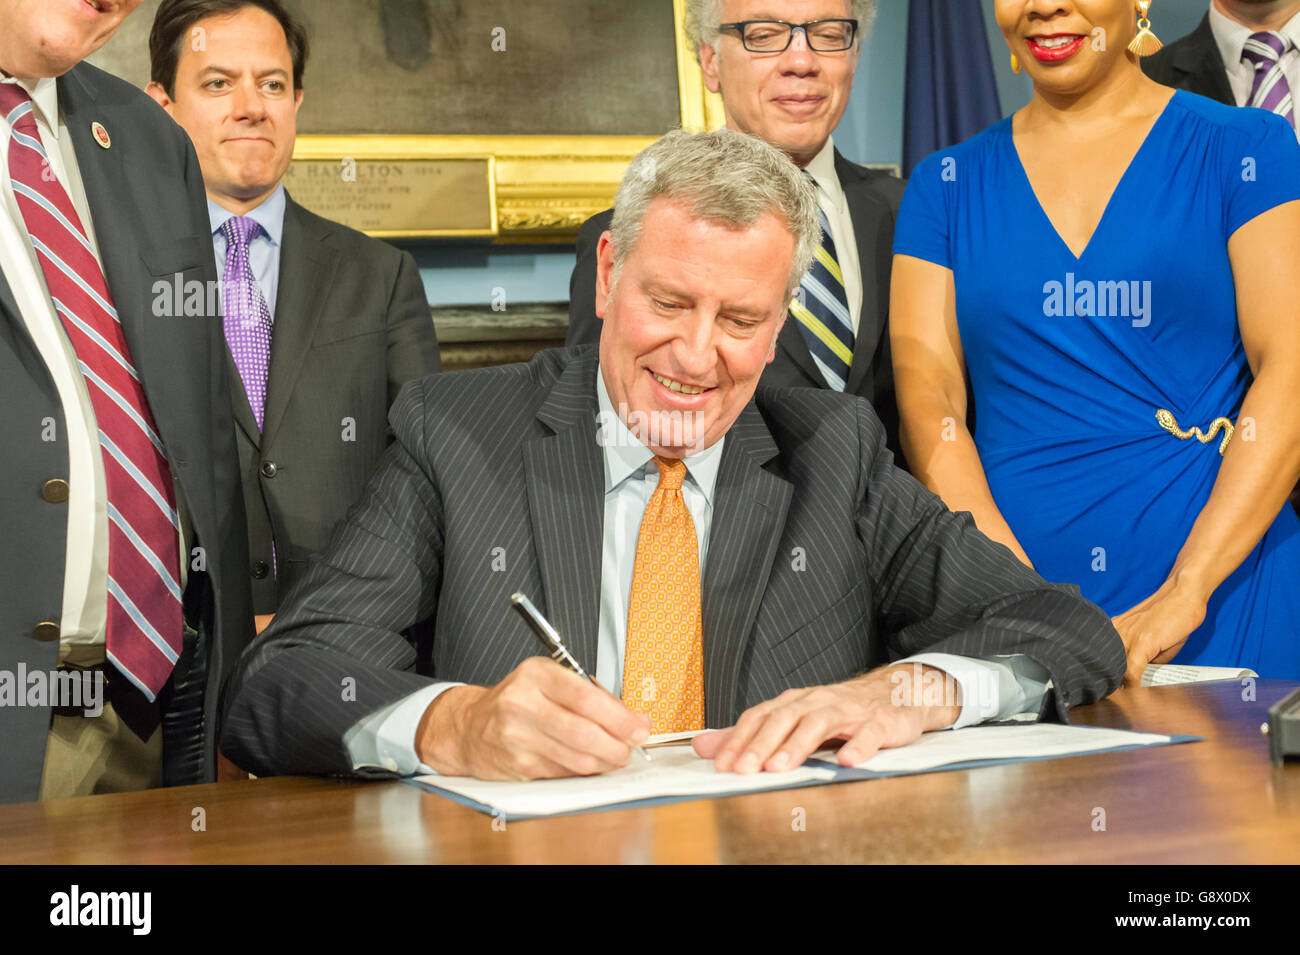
(247, 319)
(1271, 90)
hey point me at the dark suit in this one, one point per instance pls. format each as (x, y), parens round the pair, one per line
(352, 325)
(503, 464)
(1193, 64)
(873, 198)
(147, 203)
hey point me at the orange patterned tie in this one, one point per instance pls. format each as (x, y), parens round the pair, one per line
(663, 665)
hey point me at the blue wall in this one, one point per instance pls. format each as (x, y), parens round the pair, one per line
(872, 128)
(465, 273)
(871, 131)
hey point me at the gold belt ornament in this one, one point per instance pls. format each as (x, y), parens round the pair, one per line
(1167, 421)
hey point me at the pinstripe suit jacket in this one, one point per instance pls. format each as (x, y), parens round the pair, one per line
(824, 560)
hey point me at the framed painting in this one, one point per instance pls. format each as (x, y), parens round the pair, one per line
(492, 118)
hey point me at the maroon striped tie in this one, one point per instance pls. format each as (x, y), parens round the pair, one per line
(144, 595)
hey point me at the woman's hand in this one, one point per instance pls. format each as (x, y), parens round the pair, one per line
(1156, 629)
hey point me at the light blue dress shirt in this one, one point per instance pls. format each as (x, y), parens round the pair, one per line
(264, 252)
(631, 477)
(385, 739)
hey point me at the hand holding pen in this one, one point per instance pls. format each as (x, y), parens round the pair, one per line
(550, 637)
(536, 723)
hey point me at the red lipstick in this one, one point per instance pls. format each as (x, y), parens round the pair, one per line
(1055, 54)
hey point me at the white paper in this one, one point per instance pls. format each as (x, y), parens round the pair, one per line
(1166, 674)
(673, 771)
(945, 747)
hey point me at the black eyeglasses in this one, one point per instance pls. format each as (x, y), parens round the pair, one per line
(775, 36)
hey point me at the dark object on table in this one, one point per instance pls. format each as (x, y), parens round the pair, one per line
(1283, 728)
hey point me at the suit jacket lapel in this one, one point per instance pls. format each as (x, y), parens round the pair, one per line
(243, 411)
(101, 172)
(9, 306)
(239, 398)
(867, 214)
(307, 268)
(122, 233)
(792, 341)
(21, 336)
(749, 512)
(565, 476)
(1200, 59)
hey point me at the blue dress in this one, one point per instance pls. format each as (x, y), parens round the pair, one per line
(1071, 358)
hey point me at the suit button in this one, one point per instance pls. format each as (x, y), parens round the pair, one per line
(260, 570)
(55, 490)
(270, 469)
(46, 632)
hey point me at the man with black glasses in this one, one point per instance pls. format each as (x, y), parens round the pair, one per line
(785, 69)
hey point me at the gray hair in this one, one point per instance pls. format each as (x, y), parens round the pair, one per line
(703, 17)
(725, 176)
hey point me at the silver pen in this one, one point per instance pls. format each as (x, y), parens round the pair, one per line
(549, 636)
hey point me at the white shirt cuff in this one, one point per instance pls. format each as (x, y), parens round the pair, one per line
(990, 689)
(385, 739)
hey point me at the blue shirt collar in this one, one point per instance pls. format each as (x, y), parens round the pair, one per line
(269, 215)
(626, 456)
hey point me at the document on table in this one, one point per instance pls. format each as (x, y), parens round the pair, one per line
(1167, 674)
(675, 772)
(999, 743)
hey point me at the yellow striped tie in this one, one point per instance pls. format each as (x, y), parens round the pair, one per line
(822, 311)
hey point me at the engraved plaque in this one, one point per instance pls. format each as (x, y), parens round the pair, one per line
(396, 198)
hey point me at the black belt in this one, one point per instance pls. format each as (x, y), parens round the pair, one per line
(140, 716)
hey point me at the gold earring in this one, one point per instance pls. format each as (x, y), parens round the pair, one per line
(1145, 43)
(1015, 65)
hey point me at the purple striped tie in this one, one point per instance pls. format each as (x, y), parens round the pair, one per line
(1271, 91)
(248, 320)
(143, 632)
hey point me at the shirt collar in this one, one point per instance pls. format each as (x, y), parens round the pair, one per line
(1230, 36)
(269, 215)
(44, 92)
(822, 170)
(625, 456)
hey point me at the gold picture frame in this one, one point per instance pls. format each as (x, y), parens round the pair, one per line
(542, 187)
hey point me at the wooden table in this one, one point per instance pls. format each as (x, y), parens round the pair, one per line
(1217, 801)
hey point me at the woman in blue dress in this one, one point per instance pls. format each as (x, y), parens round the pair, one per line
(1109, 270)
